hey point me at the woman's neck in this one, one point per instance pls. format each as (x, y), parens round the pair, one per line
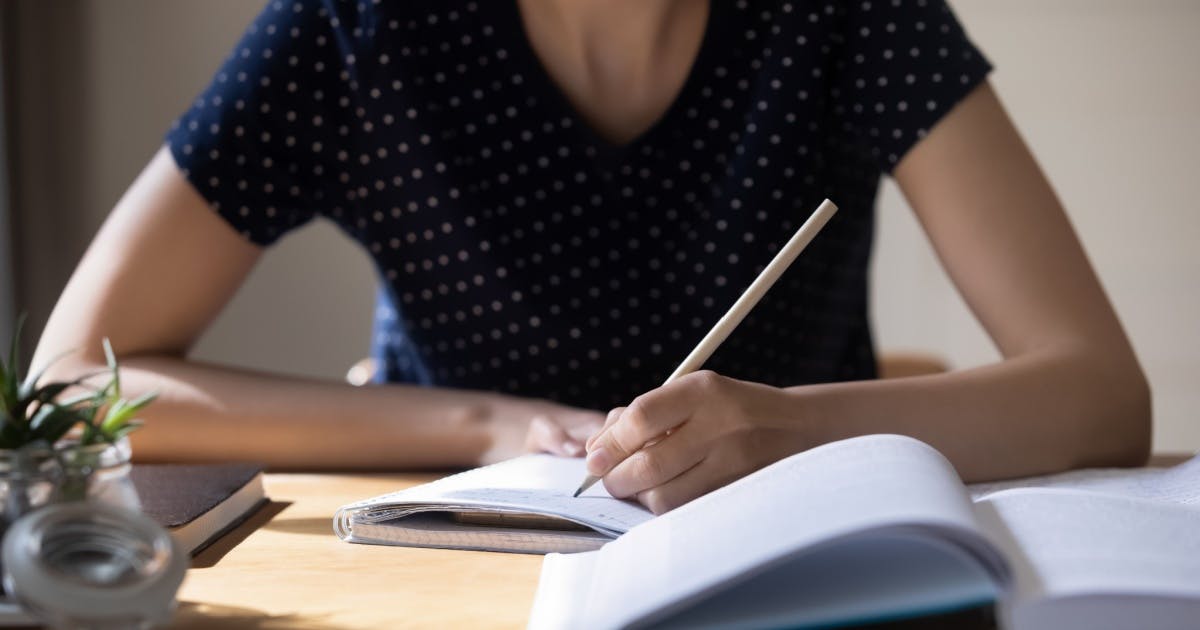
(621, 63)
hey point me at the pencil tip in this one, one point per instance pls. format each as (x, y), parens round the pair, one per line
(588, 482)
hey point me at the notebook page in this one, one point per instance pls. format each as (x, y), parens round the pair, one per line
(539, 484)
(1179, 484)
(837, 489)
(563, 580)
(1071, 542)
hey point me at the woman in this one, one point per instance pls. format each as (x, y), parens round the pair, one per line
(561, 196)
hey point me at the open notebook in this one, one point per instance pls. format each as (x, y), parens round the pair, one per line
(871, 528)
(879, 527)
(489, 508)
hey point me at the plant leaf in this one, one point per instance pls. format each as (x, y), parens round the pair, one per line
(126, 430)
(10, 436)
(111, 358)
(49, 392)
(118, 415)
(13, 434)
(143, 400)
(32, 405)
(96, 395)
(53, 422)
(90, 435)
(12, 376)
(31, 380)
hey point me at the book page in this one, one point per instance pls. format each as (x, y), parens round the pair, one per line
(1071, 543)
(563, 579)
(535, 484)
(1179, 484)
(860, 485)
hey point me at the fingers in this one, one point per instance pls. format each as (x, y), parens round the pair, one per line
(547, 436)
(648, 417)
(632, 429)
(657, 463)
(697, 481)
(725, 460)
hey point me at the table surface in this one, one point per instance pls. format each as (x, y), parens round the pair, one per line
(284, 568)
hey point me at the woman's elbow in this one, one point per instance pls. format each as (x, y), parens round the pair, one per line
(1123, 425)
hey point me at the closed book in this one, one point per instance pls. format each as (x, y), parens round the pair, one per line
(199, 502)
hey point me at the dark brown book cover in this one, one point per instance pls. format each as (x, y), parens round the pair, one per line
(199, 502)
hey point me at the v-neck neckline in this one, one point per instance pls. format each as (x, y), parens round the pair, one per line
(549, 89)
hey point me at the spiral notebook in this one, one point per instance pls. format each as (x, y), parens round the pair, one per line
(521, 505)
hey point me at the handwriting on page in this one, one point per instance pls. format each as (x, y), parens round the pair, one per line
(604, 511)
(1180, 484)
(537, 484)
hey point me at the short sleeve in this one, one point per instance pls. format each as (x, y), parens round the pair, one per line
(260, 144)
(902, 65)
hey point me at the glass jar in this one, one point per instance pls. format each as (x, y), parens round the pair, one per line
(98, 472)
(29, 478)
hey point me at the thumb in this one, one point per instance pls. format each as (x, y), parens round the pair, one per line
(618, 441)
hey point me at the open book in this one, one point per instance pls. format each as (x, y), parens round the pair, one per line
(520, 505)
(879, 527)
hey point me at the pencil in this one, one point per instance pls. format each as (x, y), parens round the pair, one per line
(744, 304)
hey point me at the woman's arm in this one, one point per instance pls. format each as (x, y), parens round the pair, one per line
(161, 269)
(1068, 393)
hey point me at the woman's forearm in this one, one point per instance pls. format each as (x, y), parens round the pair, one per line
(1044, 412)
(207, 413)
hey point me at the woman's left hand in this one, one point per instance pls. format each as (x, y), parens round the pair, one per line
(693, 435)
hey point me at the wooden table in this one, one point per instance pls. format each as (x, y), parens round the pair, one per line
(284, 568)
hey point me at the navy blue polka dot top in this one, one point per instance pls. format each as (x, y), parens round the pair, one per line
(517, 250)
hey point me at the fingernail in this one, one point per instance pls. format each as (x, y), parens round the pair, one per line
(572, 448)
(598, 461)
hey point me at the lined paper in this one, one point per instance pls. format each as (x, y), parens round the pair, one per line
(1179, 484)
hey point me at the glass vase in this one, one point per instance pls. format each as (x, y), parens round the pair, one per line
(98, 472)
(30, 477)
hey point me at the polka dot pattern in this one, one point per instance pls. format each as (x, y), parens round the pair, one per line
(520, 252)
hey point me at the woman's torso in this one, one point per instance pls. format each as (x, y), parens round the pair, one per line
(520, 251)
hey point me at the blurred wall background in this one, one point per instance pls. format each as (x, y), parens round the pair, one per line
(1105, 91)
(7, 258)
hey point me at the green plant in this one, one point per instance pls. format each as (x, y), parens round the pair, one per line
(35, 413)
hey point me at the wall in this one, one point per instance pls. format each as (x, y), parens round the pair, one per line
(7, 295)
(1107, 95)
(98, 84)
(1102, 89)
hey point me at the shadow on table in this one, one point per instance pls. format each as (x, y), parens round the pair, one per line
(312, 526)
(210, 555)
(198, 616)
